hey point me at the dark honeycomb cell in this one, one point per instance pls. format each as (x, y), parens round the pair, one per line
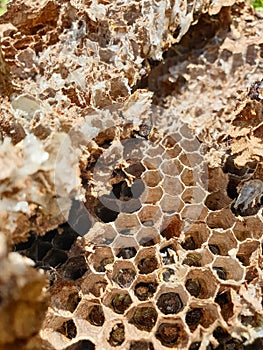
(73, 301)
(166, 274)
(38, 250)
(117, 335)
(189, 243)
(144, 318)
(75, 267)
(170, 303)
(68, 329)
(193, 286)
(65, 240)
(223, 299)
(168, 334)
(55, 257)
(193, 260)
(135, 169)
(195, 346)
(221, 273)
(167, 256)
(81, 345)
(105, 213)
(127, 253)
(121, 302)
(96, 316)
(214, 249)
(25, 245)
(147, 265)
(141, 345)
(144, 291)
(48, 237)
(193, 318)
(125, 277)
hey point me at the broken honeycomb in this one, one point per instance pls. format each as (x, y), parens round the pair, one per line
(151, 234)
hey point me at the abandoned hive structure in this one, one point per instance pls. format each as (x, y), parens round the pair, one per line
(131, 179)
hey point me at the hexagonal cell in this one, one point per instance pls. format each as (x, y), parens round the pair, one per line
(171, 226)
(224, 300)
(200, 313)
(68, 329)
(171, 333)
(171, 167)
(155, 151)
(100, 234)
(171, 300)
(75, 267)
(153, 195)
(172, 186)
(152, 163)
(190, 146)
(101, 257)
(95, 284)
(194, 212)
(245, 251)
(193, 195)
(198, 259)
(167, 274)
(144, 317)
(65, 239)
(217, 200)
(125, 247)
(195, 235)
(81, 345)
(152, 178)
(141, 345)
(95, 315)
(187, 177)
(117, 335)
(248, 228)
(171, 204)
(186, 132)
(226, 268)
(221, 242)
(146, 260)
(123, 273)
(201, 283)
(148, 236)
(135, 169)
(168, 254)
(69, 300)
(149, 215)
(145, 288)
(127, 224)
(171, 141)
(223, 218)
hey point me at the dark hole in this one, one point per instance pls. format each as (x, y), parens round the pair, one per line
(170, 303)
(81, 345)
(256, 345)
(96, 316)
(167, 274)
(214, 249)
(65, 240)
(230, 167)
(141, 345)
(136, 170)
(75, 267)
(223, 299)
(193, 286)
(193, 318)
(27, 244)
(147, 265)
(121, 302)
(144, 291)
(195, 346)
(117, 335)
(167, 256)
(168, 334)
(48, 236)
(232, 187)
(68, 329)
(145, 318)
(192, 260)
(221, 273)
(221, 335)
(104, 213)
(125, 277)
(127, 253)
(55, 257)
(122, 191)
(73, 301)
(38, 250)
(189, 244)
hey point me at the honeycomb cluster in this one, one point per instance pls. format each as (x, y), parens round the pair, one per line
(165, 262)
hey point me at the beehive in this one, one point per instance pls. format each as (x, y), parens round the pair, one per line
(148, 225)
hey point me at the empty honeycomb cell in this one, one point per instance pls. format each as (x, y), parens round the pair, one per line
(96, 316)
(221, 242)
(141, 345)
(145, 290)
(144, 317)
(75, 267)
(120, 302)
(153, 195)
(172, 186)
(168, 254)
(123, 273)
(68, 329)
(227, 268)
(101, 257)
(190, 146)
(246, 250)
(127, 223)
(81, 345)
(55, 257)
(201, 283)
(149, 215)
(195, 235)
(171, 226)
(192, 195)
(72, 301)
(172, 334)
(106, 209)
(152, 178)
(224, 300)
(223, 218)
(127, 253)
(171, 204)
(186, 132)
(217, 200)
(117, 335)
(148, 236)
(146, 260)
(171, 167)
(169, 303)
(152, 163)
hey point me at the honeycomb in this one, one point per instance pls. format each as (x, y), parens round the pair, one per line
(134, 185)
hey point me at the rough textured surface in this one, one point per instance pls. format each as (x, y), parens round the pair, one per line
(131, 171)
